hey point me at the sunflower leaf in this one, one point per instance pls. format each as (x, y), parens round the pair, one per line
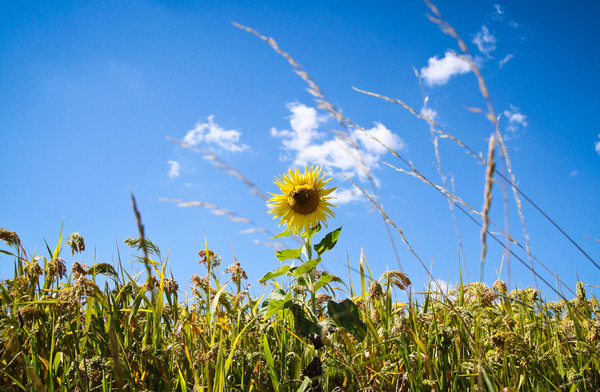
(287, 254)
(285, 233)
(273, 303)
(345, 314)
(328, 242)
(275, 273)
(312, 231)
(306, 267)
(323, 280)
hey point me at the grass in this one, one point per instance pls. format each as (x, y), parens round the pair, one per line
(104, 328)
(99, 328)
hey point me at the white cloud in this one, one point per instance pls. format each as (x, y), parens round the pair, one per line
(505, 60)
(438, 71)
(305, 122)
(428, 112)
(211, 133)
(377, 139)
(597, 145)
(346, 195)
(515, 119)
(499, 10)
(305, 144)
(574, 173)
(485, 41)
(440, 286)
(174, 168)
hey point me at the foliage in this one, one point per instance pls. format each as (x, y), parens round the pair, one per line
(101, 328)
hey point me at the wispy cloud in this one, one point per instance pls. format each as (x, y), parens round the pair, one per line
(516, 119)
(428, 112)
(212, 134)
(514, 24)
(498, 9)
(305, 144)
(439, 71)
(174, 168)
(485, 41)
(597, 145)
(575, 172)
(505, 60)
(346, 195)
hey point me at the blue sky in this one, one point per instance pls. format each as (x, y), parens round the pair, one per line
(90, 91)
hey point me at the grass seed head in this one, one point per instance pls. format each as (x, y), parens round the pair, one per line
(171, 286)
(10, 237)
(202, 282)
(79, 269)
(375, 291)
(56, 268)
(151, 283)
(237, 272)
(34, 271)
(528, 295)
(322, 298)
(580, 292)
(499, 286)
(76, 242)
(213, 258)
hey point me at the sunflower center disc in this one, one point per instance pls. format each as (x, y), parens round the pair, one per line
(304, 199)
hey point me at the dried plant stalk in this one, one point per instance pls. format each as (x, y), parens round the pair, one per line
(487, 201)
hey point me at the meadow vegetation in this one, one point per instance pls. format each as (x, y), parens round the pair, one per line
(99, 328)
(105, 328)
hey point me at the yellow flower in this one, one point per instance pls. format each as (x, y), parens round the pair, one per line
(303, 202)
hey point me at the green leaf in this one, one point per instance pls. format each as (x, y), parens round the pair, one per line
(328, 242)
(103, 269)
(346, 315)
(312, 231)
(270, 364)
(306, 267)
(305, 384)
(275, 273)
(287, 254)
(135, 242)
(285, 233)
(274, 302)
(215, 301)
(323, 280)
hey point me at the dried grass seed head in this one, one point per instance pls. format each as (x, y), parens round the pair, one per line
(10, 237)
(210, 256)
(56, 268)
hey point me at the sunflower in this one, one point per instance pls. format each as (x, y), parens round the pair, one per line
(303, 202)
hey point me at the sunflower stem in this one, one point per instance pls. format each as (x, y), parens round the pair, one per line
(313, 299)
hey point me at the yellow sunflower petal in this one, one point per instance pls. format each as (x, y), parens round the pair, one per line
(303, 199)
